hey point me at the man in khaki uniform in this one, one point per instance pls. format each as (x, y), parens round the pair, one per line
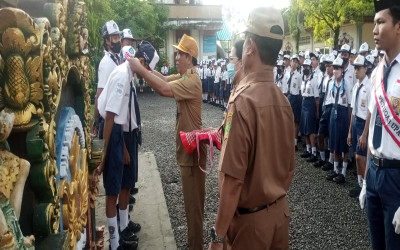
(254, 177)
(186, 89)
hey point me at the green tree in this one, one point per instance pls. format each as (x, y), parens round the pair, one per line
(325, 15)
(292, 15)
(146, 19)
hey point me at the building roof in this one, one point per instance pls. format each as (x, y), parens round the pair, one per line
(224, 34)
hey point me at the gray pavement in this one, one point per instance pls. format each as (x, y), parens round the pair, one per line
(150, 209)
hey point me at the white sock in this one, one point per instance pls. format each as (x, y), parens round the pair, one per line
(309, 148)
(360, 180)
(113, 231)
(123, 219)
(331, 156)
(322, 154)
(314, 151)
(344, 169)
(336, 167)
(295, 142)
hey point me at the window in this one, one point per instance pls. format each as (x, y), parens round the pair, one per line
(304, 40)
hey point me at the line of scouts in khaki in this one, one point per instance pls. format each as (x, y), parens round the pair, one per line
(253, 209)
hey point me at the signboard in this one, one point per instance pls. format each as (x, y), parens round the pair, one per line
(209, 44)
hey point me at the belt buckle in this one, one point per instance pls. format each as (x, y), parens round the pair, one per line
(378, 161)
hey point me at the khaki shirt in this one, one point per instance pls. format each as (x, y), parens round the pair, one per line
(258, 146)
(187, 91)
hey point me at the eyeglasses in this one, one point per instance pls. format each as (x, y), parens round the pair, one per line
(232, 58)
(357, 67)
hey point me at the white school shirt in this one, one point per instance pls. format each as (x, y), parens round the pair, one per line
(164, 70)
(309, 87)
(363, 98)
(388, 149)
(295, 85)
(287, 69)
(203, 73)
(328, 84)
(217, 75)
(106, 66)
(344, 99)
(350, 78)
(318, 74)
(210, 72)
(225, 76)
(115, 97)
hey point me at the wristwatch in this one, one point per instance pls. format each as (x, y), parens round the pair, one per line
(214, 236)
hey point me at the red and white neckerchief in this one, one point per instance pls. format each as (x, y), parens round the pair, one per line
(389, 119)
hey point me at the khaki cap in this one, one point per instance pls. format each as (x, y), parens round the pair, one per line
(262, 19)
(188, 45)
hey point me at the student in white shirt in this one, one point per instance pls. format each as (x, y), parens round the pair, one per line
(324, 122)
(164, 69)
(358, 131)
(118, 172)
(291, 85)
(225, 87)
(339, 121)
(381, 190)
(309, 111)
(110, 60)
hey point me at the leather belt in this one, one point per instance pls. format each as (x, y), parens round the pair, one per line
(385, 163)
(242, 210)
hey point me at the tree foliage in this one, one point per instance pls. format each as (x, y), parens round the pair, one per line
(145, 19)
(292, 15)
(325, 15)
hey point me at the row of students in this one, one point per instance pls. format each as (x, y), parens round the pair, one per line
(323, 86)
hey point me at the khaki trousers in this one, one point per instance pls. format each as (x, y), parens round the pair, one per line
(265, 229)
(193, 185)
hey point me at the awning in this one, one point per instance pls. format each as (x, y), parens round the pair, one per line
(224, 34)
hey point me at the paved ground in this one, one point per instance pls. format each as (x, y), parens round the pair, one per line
(323, 216)
(150, 209)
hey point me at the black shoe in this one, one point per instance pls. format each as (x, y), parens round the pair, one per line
(296, 148)
(130, 208)
(127, 236)
(312, 159)
(134, 227)
(339, 179)
(134, 190)
(328, 166)
(319, 163)
(125, 245)
(355, 192)
(306, 154)
(132, 199)
(331, 175)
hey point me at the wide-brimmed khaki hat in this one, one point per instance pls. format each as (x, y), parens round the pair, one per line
(188, 45)
(262, 19)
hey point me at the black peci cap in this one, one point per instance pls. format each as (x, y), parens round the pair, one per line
(385, 4)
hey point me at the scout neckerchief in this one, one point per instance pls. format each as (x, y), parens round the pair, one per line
(321, 85)
(113, 57)
(305, 84)
(290, 82)
(355, 101)
(326, 89)
(339, 88)
(385, 113)
(132, 92)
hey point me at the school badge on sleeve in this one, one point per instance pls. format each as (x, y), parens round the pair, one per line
(228, 125)
(395, 103)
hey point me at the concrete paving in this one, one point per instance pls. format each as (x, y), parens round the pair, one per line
(150, 209)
